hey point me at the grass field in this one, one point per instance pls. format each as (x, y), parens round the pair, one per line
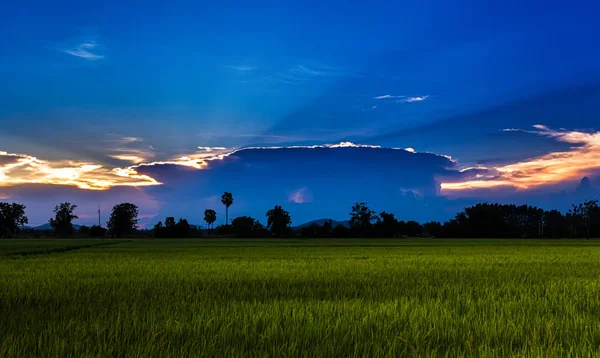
(184, 298)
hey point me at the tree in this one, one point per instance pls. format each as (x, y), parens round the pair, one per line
(341, 231)
(387, 226)
(12, 216)
(97, 231)
(227, 200)
(210, 216)
(590, 212)
(158, 229)
(361, 218)
(181, 229)
(246, 226)
(62, 223)
(123, 220)
(413, 228)
(432, 228)
(555, 224)
(83, 231)
(278, 220)
(169, 222)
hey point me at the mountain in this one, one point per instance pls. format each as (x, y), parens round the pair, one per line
(47, 226)
(320, 222)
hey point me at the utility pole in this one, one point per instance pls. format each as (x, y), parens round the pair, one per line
(99, 226)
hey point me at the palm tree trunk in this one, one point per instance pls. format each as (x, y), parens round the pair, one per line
(226, 216)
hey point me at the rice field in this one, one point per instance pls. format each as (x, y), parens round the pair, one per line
(344, 298)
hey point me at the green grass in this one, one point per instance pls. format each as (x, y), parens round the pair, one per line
(219, 298)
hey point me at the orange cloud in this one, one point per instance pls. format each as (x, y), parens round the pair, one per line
(551, 168)
(20, 169)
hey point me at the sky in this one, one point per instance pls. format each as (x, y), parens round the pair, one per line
(416, 108)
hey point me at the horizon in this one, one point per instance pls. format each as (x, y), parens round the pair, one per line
(417, 109)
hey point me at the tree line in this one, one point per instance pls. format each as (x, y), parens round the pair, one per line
(486, 220)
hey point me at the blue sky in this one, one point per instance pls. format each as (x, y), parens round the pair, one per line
(87, 88)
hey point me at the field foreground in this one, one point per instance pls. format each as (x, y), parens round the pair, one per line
(151, 298)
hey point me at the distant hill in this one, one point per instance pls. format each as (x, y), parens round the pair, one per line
(47, 226)
(320, 222)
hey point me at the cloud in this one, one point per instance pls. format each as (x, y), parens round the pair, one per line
(242, 68)
(335, 173)
(402, 99)
(129, 149)
(84, 50)
(309, 71)
(211, 149)
(301, 196)
(133, 156)
(582, 159)
(413, 99)
(303, 73)
(387, 96)
(19, 169)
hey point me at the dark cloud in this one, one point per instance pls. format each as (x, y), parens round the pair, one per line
(7, 159)
(310, 182)
(387, 179)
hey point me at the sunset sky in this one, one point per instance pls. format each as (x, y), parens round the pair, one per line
(417, 108)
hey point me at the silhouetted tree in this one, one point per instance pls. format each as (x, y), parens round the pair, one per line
(12, 216)
(433, 229)
(387, 226)
(413, 229)
(495, 220)
(97, 231)
(590, 212)
(83, 231)
(171, 229)
(327, 228)
(123, 220)
(182, 228)
(316, 230)
(210, 216)
(361, 219)
(246, 226)
(227, 200)
(279, 221)
(341, 231)
(158, 230)
(554, 224)
(310, 230)
(62, 223)
(169, 222)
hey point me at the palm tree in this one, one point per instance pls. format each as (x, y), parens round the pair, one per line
(227, 200)
(210, 216)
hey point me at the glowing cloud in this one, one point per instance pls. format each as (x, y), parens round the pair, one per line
(25, 169)
(211, 149)
(551, 168)
(18, 169)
